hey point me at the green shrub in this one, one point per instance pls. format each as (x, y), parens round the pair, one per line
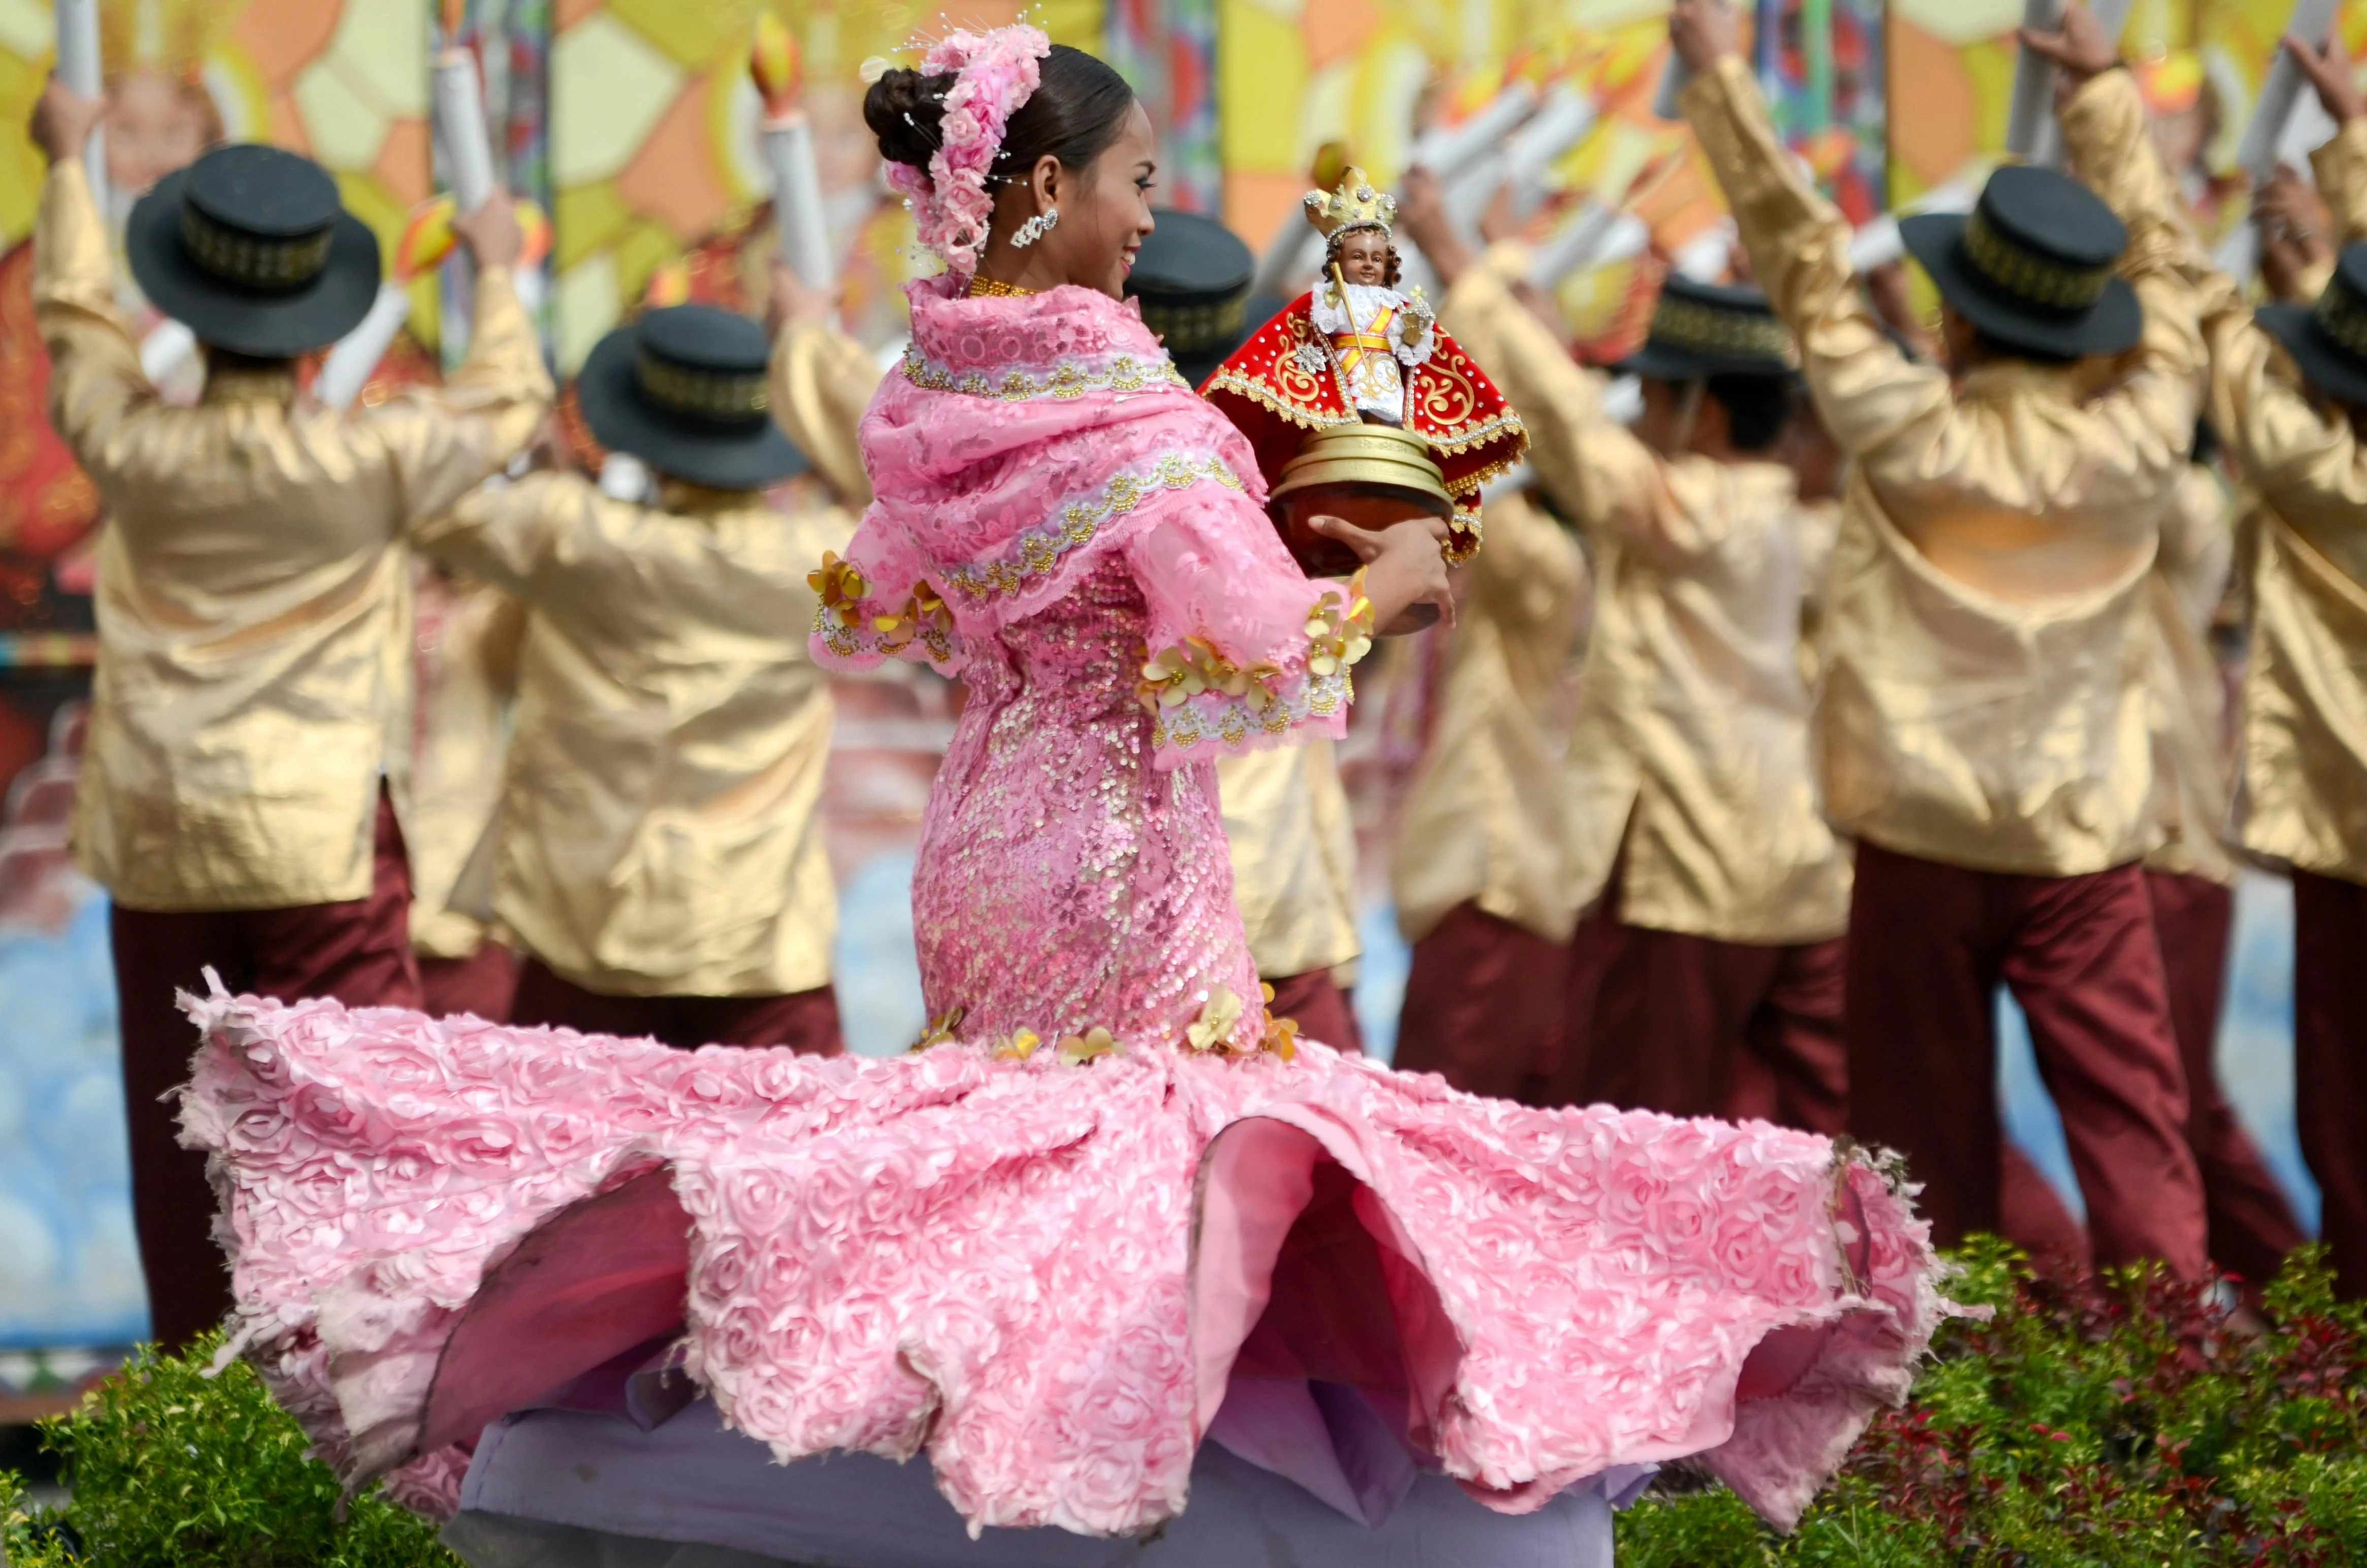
(2120, 1426)
(171, 1468)
(2106, 1424)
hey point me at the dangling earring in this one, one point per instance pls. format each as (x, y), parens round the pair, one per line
(1034, 228)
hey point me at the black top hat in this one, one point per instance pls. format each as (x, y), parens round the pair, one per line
(683, 389)
(2328, 339)
(249, 248)
(1193, 277)
(1712, 329)
(2032, 265)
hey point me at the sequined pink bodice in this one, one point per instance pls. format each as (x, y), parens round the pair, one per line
(1064, 880)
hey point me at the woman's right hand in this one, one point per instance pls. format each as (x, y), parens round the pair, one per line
(1405, 566)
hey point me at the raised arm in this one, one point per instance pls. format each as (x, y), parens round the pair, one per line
(1598, 472)
(821, 380)
(444, 441)
(2154, 402)
(100, 397)
(1881, 407)
(2303, 458)
(512, 535)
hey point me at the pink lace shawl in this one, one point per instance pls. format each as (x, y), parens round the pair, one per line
(1023, 440)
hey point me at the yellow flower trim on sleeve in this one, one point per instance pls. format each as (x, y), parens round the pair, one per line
(841, 588)
(1176, 675)
(1340, 629)
(925, 616)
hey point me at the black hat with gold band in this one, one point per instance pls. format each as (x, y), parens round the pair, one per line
(2328, 339)
(1711, 329)
(2032, 265)
(1193, 277)
(250, 249)
(683, 389)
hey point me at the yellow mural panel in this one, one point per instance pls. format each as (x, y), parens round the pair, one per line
(654, 144)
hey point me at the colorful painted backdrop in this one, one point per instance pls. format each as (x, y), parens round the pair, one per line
(632, 121)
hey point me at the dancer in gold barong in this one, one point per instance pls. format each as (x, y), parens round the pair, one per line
(662, 864)
(1989, 587)
(1690, 813)
(247, 752)
(2289, 395)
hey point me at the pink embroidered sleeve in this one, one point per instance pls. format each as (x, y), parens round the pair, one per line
(877, 605)
(1245, 651)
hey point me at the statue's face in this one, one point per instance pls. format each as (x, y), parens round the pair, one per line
(154, 124)
(1364, 256)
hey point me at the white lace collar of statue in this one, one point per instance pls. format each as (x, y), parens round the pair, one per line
(1366, 300)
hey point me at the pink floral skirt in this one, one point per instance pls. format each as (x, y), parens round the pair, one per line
(1048, 1276)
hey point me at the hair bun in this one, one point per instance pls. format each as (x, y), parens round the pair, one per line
(906, 111)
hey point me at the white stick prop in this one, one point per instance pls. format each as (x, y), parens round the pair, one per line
(1704, 257)
(2034, 84)
(459, 102)
(1672, 83)
(798, 209)
(347, 368)
(798, 213)
(1876, 243)
(1537, 147)
(1448, 150)
(1879, 244)
(84, 72)
(1468, 196)
(2311, 20)
(1601, 236)
(168, 345)
(2239, 255)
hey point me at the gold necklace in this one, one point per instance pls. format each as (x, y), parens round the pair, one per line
(980, 284)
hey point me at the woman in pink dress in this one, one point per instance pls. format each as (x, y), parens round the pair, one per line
(1107, 1209)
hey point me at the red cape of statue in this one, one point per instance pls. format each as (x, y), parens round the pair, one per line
(1450, 403)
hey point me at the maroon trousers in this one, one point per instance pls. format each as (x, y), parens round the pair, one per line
(2330, 1062)
(802, 1020)
(1322, 1010)
(2250, 1226)
(1929, 945)
(481, 983)
(1692, 1026)
(1482, 1005)
(358, 952)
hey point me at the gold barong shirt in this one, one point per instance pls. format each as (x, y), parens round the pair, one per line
(1483, 821)
(660, 831)
(2190, 755)
(468, 678)
(2302, 788)
(1691, 743)
(1983, 699)
(1291, 839)
(254, 681)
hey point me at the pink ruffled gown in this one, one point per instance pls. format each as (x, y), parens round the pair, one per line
(1051, 1265)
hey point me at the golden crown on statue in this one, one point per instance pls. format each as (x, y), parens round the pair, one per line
(1353, 204)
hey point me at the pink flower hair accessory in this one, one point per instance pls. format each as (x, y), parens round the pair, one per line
(994, 73)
